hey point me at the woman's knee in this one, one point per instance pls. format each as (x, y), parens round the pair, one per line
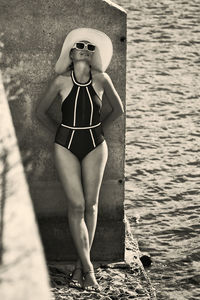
(91, 208)
(76, 208)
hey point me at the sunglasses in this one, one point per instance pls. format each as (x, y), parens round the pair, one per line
(82, 45)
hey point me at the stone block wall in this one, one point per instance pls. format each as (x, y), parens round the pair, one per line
(34, 32)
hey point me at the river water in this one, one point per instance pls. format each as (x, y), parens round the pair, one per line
(163, 140)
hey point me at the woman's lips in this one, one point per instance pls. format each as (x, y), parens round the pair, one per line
(84, 53)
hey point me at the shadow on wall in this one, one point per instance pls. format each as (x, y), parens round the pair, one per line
(21, 253)
(4, 168)
(14, 94)
(3, 171)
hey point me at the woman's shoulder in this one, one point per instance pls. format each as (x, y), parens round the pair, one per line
(100, 76)
(61, 78)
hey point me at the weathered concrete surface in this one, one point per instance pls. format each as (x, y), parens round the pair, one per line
(55, 229)
(121, 280)
(33, 38)
(23, 272)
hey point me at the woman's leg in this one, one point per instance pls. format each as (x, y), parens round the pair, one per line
(93, 166)
(69, 171)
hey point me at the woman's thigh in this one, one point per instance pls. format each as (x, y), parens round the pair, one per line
(93, 166)
(69, 170)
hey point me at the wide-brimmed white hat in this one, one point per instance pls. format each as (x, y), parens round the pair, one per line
(101, 57)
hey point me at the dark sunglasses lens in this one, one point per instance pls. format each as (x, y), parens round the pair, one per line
(79, 45)
(91, 47)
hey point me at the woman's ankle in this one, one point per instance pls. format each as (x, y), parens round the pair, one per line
(88, 269)
(78, 265)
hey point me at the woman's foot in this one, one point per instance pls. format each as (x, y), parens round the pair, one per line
(90, 282)
(77, 278)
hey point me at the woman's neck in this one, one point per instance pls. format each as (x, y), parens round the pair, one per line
(82, 71)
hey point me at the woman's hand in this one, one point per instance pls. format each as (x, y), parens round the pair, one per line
(44, 104)
(114, 101)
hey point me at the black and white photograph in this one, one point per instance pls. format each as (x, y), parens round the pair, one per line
(99, 149)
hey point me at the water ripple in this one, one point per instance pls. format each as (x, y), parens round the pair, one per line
(163, 140)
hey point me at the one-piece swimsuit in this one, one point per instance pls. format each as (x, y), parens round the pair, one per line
(81, 129)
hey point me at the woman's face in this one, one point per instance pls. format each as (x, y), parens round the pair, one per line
(81, 54)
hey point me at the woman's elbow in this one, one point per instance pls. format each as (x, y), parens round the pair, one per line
(121, 110)
(118, 112)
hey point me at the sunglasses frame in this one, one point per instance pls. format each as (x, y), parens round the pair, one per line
(85, 46)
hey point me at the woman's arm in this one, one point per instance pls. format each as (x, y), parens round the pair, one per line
(114, 101)
(44, 104)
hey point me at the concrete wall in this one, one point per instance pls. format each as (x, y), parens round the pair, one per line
(23, 272)
(34, 32)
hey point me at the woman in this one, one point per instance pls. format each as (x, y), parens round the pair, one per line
(80, 148)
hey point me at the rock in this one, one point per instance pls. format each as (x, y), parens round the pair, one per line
(139, 289)
(146, 260)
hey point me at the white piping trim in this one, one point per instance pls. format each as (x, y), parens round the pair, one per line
(75, 106)
(91, 115)
(80, 84)
(87, 127)
(92, 138)
(71, 139)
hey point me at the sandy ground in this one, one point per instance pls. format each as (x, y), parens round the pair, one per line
(122, 280)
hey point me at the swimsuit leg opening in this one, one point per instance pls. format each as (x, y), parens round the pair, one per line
(69, 151)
